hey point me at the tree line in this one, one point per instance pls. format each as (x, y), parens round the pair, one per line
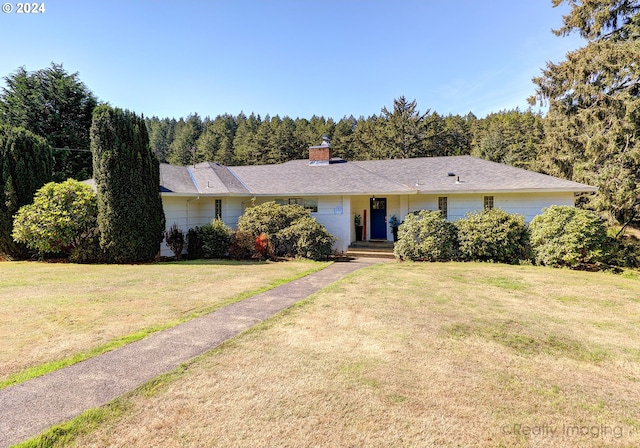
(513, 137)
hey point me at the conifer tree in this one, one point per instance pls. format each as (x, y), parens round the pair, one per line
(400, 133)
(130, 214)
(57, 106)
(25, 165)
(593, 124)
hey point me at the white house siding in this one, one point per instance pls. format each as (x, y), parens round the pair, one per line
(334, 212)
(189, 212)
(231, 211)
(527, 204)
(531, 205)
(337, 213)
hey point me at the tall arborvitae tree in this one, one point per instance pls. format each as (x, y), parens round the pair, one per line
(593, 124)
(130, 215)
(57, 106)
(26, 162)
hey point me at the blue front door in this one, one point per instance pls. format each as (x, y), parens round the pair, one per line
(378, 218)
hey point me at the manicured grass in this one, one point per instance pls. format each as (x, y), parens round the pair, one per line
(408, 355)
(54, 315)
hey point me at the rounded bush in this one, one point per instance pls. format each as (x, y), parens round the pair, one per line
(492, 235)
(62, 214)
(568, 236)
(290, 229)
(426, 235)
(309, 239)
(215, 238)
(269, 218)
(242, 245)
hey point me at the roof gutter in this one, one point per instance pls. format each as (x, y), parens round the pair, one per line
(513, 191)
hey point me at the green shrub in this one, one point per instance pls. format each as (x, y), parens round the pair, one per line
(622, 251)
(175, 240)
(274, 221)
(492, 235)
(89, 250)
(269, 218)
(426, 235)
(215, 238)
(61, 216)
(306, 238)
(242, 245)
(194, 244)
(568, 236)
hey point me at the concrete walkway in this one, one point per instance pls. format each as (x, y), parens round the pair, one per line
(33, 406)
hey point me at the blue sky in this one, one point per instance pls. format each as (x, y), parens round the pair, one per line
(301, 58)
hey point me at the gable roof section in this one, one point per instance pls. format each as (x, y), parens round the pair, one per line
(429, 175)
(176, 179)
(204, 178)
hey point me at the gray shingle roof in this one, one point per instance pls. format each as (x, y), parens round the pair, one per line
(204, 178)
(431, 175)
(399, 176)
(297, 177)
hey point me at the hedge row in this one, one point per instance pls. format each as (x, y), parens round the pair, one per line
(560, 236)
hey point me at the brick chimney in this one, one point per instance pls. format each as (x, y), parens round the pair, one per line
(320, 155)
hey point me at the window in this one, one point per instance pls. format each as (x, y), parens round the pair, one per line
(218, 208)
(442, 205)
(488, 202)
(310, 204)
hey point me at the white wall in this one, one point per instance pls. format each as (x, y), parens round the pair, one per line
(334, 212)
(527, 204)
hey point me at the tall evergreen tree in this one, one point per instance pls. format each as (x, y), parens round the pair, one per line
(130, 214)
(364, 143)
(593, 124)
(182, 150)
(512, 137)
(342, 138)
(160, 136)
(401, 132)
(457, 134)
(57, 106)
(245, 142)
(26, 162)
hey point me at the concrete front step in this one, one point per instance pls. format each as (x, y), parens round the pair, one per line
(382, 245)
(371, 249)
(368, 254)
